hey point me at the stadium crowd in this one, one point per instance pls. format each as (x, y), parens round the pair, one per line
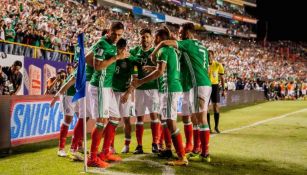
(54, 24)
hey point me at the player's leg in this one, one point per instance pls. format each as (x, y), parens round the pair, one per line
(152, 103)
(111, 126)
(204, 93)
(215, 99)
(99, 111)
(166, 134)
(68, 111)
(170, 113)
(139, 126)
(186, 119)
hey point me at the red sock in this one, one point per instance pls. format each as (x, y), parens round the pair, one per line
(78, 135)
(204, 138)
(196, 139)
(127, 141)
(96, 139)
(63, 135)
(188, 132)
(161, 134)
(177, 141)
(139, 130)
(108, 137)
(155, 131)
(167, 137)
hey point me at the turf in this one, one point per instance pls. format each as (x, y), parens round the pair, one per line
(275, 147)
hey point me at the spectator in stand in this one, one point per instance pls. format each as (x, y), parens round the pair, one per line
(14, 77)
(3, 83)
(9, 36)
(55, 83)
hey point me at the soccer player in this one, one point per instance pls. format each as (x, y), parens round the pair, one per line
(104, 106)
(216, 72)
(69, 109)
(198, 61)
(146, 96)
(168, 68)
(121, 81)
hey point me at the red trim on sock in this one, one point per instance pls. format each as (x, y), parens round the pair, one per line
(139, 130)
(96, 139)
(155, 132)
(78, 135)
(188, 132)
(204, 138)
(108, 138)
(63, 136)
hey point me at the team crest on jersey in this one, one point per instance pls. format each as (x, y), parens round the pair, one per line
(100, 52)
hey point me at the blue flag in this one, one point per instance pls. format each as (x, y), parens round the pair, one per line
(80, 84)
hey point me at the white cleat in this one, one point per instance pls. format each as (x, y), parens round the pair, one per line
(125, 149)
(62, 153)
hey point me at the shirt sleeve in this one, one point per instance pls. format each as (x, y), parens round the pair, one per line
(162, 55)
(221, 69)
(99, 52)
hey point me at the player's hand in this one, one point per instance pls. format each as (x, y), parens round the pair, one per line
(123, 55)
(148, 69)
(135, 83)
(152, 57)
(54, 99)
(124, 98)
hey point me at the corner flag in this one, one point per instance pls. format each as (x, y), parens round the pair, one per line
(81, 75)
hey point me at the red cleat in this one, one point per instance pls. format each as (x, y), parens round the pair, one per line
(109, 157)
(97, 162)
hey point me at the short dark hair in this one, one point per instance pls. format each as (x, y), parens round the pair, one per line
(163, 33)
(145, 30)
(121, 43)
(188, 27)
(104, 32)
(69, 64)
(17, 63)
(117, 26)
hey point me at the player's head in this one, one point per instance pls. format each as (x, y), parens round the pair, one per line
(186, 31)
(146, 37)
(161, 35)
(121, 45)
(69, 68)
(211, 56)
(116, 31)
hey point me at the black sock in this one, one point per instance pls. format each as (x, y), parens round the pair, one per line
(208, 120)
(216, 119)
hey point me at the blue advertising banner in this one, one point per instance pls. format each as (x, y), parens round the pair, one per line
(144, 12)
(36, 74)
(33, 120)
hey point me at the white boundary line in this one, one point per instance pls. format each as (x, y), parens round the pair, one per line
(262, 121)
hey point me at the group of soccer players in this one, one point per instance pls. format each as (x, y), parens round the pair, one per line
(148, 79)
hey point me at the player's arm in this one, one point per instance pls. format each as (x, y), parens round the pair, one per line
(63, 89)
(161, 66)
(103, 64)
(172, 43)
(221, 77)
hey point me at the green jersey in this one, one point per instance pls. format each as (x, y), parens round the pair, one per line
(72, 90)
(141, 58)
(103, 50)
(186, 81)
(171, 78)
(122, 75)
(10, 34)
(199, 60)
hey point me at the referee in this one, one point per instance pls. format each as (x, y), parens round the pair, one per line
(216, 72)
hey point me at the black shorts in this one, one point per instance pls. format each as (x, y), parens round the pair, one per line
(215, 94)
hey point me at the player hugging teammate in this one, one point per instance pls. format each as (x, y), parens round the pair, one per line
(154, 78)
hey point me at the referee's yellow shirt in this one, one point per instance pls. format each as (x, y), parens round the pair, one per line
(215, 69)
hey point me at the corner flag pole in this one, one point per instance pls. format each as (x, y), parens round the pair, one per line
(84, 136)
